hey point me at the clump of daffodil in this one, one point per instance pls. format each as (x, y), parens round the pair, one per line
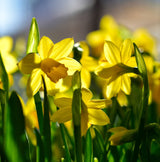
(115, 68)
(108, 30)
(8, 58)
(52, 62)
(91, 112)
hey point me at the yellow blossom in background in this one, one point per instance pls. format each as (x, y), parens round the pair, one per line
(91, 112)
(52, 62)
(112, 68)
(144, 41)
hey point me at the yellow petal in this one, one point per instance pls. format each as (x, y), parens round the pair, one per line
(10, 62)
(131, 62)
(112, 53)
(62, 115)
(63, 102)
(34, 82)
(44, 47)
(85, 78)
(62, 49)
(29, 62)
(126, 50)
(97, 117)
(6, 44)
(126, 84)
(113, 88)
(85, 48)
(117, 129)
(86, 95)
(71, 64)
(99, 104)
(84, 121)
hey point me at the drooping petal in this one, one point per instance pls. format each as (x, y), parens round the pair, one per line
(86, 95)
(62, 115)
(84, 121)
(29, 62)
(34, 82)
(44, 47)
(71, 64)
(126, 50)
(126, 84)
(113, 88)
(85, 78)
(62, 49)
(112, 53)
(97, 117)
(98, 104)
(63, 102)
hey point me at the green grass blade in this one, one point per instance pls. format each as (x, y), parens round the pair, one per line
(39, 110)
(46, 127)
(33, 38)
(16, 144)
(39, 147)
(4, 77)
(88, 156)
(67, 157)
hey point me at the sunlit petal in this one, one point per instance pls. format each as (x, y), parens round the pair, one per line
(126, 50)
(62, 115)
(6, 44)
(62, 49)
(86, 95)
(34, 82)
(29, 62)
(126, 84)
(112, 53)
(97, 117)
(85, 78)
(71, 64)
(113, 88)
(44, 47)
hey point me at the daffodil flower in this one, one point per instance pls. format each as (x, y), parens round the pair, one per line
(91, 112)
(115, 69)
(52, 62)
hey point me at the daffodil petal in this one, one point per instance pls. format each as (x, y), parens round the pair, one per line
(112, 53)
(6, 44)
(63, 102)
(117, 129)
(29, 62)
(44, 47)
(34, 82)
(100, 119)
(98, 104)
(131, 62)
(86, 95)
(85, 48)
(62, 115)
(113, 88)
(126, 50)
(126, 84)
(85, 78)
(62, 49)
(71, 64)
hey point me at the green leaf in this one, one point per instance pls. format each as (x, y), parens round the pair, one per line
(16, 144)
(39, 110)
(88, 156)
(33, 38)
(39, 147)
(4, 76)
(67, 154)
(46, 127)
(76, 115)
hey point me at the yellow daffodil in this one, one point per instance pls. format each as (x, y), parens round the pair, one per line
(91, 112)
(52, 62)
(144, 41)
(114, 69)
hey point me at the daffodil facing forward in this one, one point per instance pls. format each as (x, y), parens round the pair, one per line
(117, 67)
(91, 112)
(52, 62)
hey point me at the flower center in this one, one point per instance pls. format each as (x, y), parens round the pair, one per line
(53, 69)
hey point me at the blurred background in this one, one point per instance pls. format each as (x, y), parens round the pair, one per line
(75, 18)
